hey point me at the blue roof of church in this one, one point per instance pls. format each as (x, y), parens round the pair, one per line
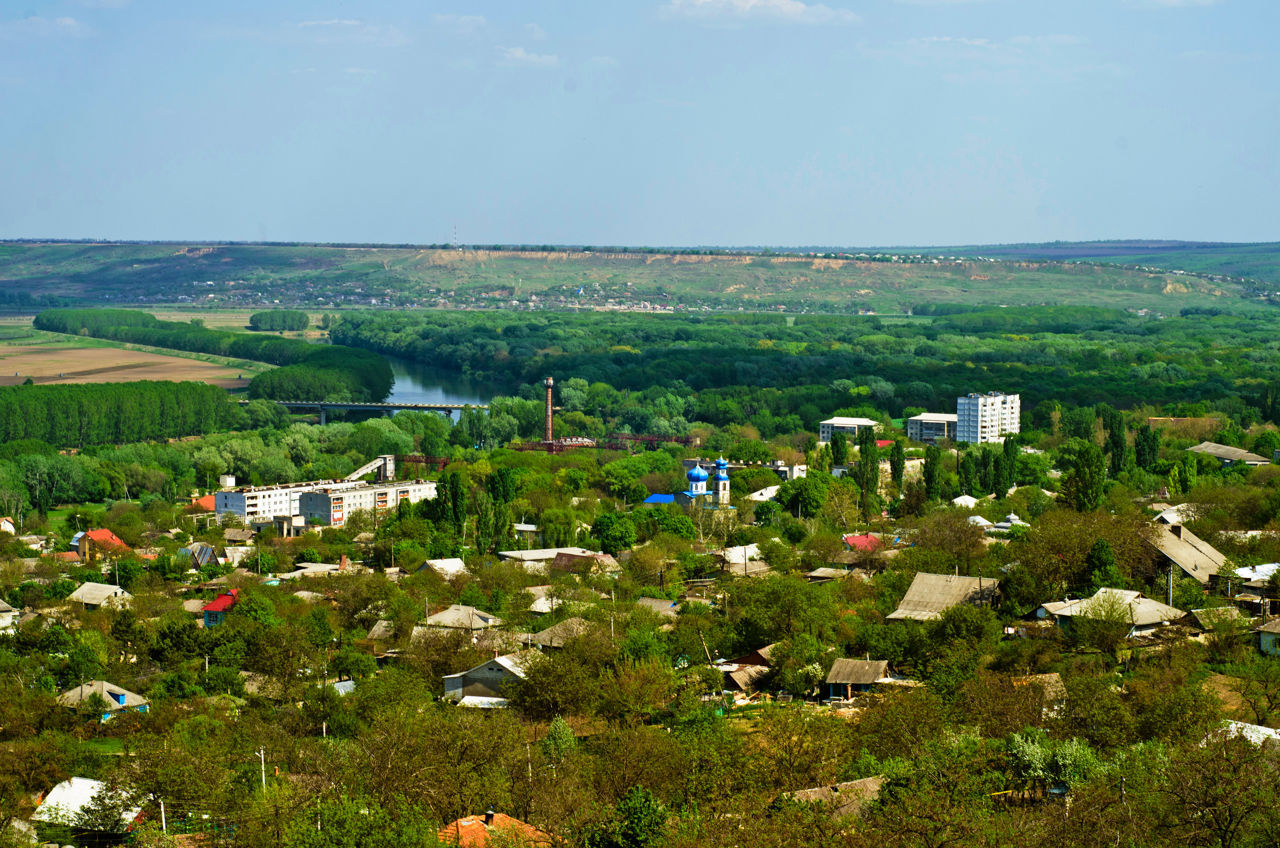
(696, 474)
(660, 499)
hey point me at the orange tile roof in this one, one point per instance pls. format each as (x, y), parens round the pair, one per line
(206, 503)
(106, 538)
(472, 832)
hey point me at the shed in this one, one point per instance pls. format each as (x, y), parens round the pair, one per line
(930, 594)
(448, 567)
(849, 676)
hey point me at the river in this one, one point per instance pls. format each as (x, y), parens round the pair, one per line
(418, 383)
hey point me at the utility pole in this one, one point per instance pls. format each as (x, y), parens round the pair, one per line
(262, 756)
(164, 825)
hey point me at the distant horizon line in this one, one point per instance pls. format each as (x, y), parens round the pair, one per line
(1154, 243)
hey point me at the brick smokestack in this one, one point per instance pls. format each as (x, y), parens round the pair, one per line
(549, 383)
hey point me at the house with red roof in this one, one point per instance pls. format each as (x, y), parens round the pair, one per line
(216, 610)
(92, 544)
(474, 831)
(866, 543)
(204, 504)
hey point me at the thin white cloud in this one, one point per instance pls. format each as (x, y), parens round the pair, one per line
(535, 32)
(462, 23)
(520, 56)
(787, 11)
(351, 31)
(41, 27)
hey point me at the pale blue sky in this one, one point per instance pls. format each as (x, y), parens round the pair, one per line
(672, 122)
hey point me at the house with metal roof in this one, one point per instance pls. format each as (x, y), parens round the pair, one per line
(1269, 637)
(216, 610)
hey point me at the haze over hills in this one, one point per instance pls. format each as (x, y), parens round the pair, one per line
(1159, 275)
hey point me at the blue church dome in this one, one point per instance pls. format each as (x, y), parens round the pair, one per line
(697, 475)
(722, 469)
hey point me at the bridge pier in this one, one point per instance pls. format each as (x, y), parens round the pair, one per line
(322, 418)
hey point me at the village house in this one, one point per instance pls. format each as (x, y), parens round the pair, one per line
(1144, 614)
(487, 684)
(63, 803)
(849, 676)
(216, 610)
(463, 617)
(475, 832)
(558, 635)
(91, 596)
(117, 698)
(1176, 546)
(843, 799)
(931, 594)
(1269, 637)
(8, 618)
(1228, 455)
(93, 544)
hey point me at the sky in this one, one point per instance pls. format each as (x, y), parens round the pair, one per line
(641, 122)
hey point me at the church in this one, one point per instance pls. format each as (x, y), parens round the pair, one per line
(717, 497)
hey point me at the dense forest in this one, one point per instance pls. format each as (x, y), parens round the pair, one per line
(80, 415)
(307, 371)
(1076, 355)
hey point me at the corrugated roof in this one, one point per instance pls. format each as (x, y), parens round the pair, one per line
(857, 672)
(473, 831)
(223, 602)
(930, 594)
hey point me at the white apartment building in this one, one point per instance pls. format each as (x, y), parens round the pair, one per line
(263, 503)
(843, 424)
(333, 505)
(987, 417)
(931, 427)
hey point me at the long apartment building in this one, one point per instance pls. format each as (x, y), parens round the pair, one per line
(987, 417)
(333, 505)
(263, 503)
(932, 427)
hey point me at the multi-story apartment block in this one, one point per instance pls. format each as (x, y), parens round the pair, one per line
(987, 417)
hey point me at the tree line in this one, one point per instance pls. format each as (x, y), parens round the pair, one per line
(273, 320)
(307, 371)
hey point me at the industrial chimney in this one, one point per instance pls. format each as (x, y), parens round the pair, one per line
(549, 383)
